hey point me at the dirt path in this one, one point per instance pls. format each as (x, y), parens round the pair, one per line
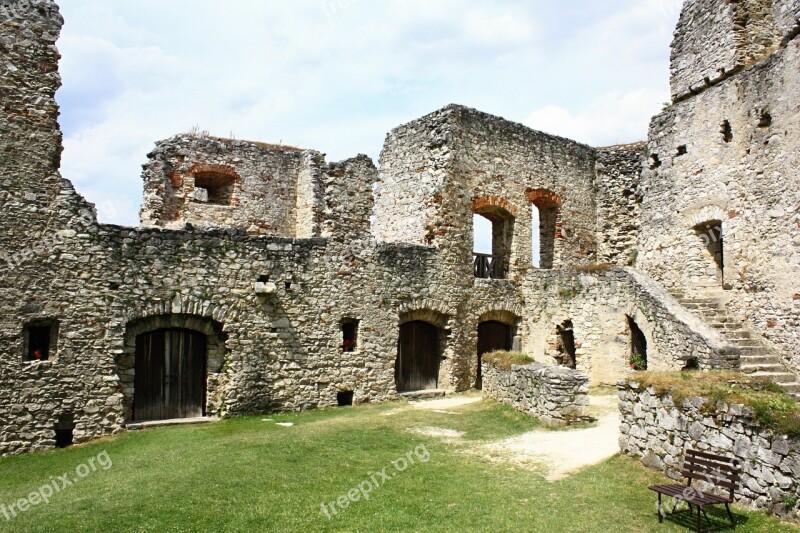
(555, 453)
(561, 453)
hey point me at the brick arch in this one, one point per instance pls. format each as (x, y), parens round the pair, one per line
(543, 198)
(224, 170)
(490, 205)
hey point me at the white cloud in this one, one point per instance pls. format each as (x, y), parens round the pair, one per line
(336, 75)
(612, 119)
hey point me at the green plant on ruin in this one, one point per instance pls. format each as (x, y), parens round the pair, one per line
(505, 360)
(569, 292)
(594, 268)
(632, 257)
(772, 407)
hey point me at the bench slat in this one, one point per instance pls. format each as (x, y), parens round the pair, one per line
(706, 455)
(680, 492)
(728, 467)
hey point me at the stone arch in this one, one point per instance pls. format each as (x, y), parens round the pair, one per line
(548, 204)
(436, 313)
(705, 214)
(543, 198)
(215, 345)
(433, 317)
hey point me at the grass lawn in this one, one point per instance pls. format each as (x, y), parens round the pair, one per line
(248, 474)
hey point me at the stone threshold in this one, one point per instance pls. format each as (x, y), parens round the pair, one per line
(423, 394)
(172, 422)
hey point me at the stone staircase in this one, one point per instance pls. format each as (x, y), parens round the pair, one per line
(755, 357)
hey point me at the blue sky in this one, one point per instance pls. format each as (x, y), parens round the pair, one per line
(337, 75)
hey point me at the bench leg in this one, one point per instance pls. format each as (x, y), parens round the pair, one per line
(660, 512)
(730, 515)
(699, 527)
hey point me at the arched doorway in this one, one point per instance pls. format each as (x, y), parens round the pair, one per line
(492, 336)
(417, 365)
(170, 378)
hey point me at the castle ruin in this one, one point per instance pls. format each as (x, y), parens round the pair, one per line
(264, 278)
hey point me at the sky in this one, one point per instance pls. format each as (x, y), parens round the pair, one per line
(337, 75)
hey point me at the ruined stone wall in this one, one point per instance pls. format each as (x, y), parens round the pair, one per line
(619, 198)
(598, 304)
(515, 166)
(31, 140)
(728, 158)
(744, 32)
(658, 431)
(255, 184)
(555, 395)
(438, 170)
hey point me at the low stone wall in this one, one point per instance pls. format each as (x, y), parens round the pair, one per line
(554, 394)
(659, 432)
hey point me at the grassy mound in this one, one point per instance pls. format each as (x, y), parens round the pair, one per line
(506, 360)
(773, 407)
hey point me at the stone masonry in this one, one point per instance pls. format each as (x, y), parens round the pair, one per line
(301, 275)
(658, 431)
(553, 394)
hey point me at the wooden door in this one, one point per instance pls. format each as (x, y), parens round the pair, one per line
(170, 379)
(418, 357)
(492, 336)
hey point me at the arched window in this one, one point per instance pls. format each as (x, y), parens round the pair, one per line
(545, 206)
(493, 232)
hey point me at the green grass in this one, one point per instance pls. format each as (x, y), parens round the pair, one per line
(247, 474)
(772, 406)
(505, 360)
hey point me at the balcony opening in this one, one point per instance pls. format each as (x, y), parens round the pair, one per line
(493, 230)
(544, 221)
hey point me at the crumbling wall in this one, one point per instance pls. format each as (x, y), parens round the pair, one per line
(555, 395)
(598, 305)
(744, 32)
(658, 430)
(619, 198)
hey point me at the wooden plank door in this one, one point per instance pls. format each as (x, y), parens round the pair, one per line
(170, 380)
(492, 336)
(418, 357)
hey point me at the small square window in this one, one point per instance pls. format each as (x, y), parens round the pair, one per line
(349, 335)
(40, 338)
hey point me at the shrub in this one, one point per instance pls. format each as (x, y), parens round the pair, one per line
(506, 360)
(594, 268)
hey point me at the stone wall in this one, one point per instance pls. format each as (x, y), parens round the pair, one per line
(265, 189)
(727, 157)
(619, 199)
(745, 31)
(598, 305)
(555, 395)
(658, 431)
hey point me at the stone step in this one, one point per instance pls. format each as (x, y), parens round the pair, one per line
(171, 422)
(750, 367)
(749, 343)
(793, 387)
(753, 350)
(778, 377)
(423, 394)
(759, 359)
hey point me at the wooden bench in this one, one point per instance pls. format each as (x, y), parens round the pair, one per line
(720, 472)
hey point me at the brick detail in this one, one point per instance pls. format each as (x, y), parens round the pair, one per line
(543, 198)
